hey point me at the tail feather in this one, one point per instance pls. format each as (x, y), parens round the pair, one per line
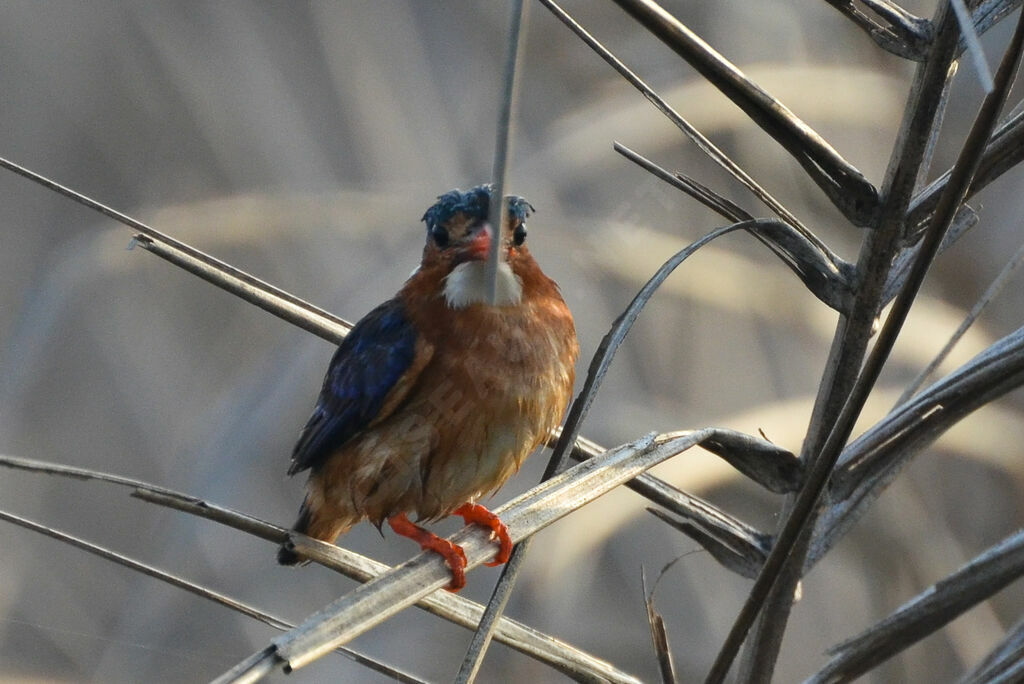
(286, 553)
(324, 523)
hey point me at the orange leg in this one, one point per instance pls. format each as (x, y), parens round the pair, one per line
(453, 555)
(475, 513)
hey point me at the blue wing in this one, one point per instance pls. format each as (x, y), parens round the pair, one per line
(368, 365)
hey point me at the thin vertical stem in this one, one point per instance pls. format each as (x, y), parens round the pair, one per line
(499, 598)
(502, 141)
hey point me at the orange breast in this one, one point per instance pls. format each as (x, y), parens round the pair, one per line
(497, 381)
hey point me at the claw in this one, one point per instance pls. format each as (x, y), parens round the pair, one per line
(453, 554)
(475, 513)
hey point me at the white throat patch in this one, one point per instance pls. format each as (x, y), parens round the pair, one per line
(466, 285)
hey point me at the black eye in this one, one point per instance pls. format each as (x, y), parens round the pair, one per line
(440, 236)
(519, 234)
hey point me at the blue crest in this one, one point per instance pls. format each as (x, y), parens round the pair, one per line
(474, 202)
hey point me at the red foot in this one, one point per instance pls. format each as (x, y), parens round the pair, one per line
(475, 513)
(453, 555)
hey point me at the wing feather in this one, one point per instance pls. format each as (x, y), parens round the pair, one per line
(372, 371)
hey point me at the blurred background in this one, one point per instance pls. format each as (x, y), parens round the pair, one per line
(302, 142)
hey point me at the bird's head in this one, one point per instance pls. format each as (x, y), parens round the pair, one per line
(459, 235)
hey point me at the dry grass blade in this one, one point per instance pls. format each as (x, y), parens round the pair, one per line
(724, 526)
(212, 262)
(973, 44)
(990, 293)
(928, 612)
(843, 184)
(559, 655)
(1004, 664)
(745, 559)
(659, 634)
(803, 509)
(197, 590)
(310, 319)
(1004, 151)
(871, 462)
(35, 466)
(376, 601)
(703, 194)
(901, 33)
(988, 13)
(698, 138)
(823, 273)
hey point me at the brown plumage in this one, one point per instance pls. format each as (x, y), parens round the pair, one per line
(481, 388)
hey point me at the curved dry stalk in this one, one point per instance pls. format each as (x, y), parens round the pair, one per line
(928, 612)
(823, 273)
(605, 353)
(843, 184)
(197, 590)
(722, 206)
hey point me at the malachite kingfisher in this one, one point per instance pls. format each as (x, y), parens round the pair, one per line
(437, 396)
